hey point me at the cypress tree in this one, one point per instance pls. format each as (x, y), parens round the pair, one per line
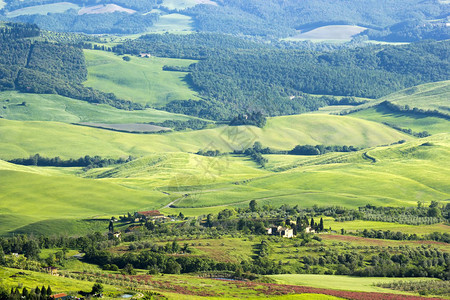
(312, 222)
(321, 225)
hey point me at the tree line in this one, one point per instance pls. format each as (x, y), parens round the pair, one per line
(86, 161)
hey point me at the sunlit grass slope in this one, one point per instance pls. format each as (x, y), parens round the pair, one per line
(140, 80)
(62, 109)
(402, 175)
(415, 122)
(21, 139)
(428, 96)
(39, 195)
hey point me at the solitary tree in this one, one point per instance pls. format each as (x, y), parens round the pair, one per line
(97, 288)
(321, 225)
(253, 205)
(312, 223)
(111, 226)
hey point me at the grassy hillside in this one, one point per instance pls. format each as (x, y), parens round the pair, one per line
(426, 96)
(20, 139)
(62, 109)
(415, 122)
(28, 197)
(402, 175)
(140, 80)
(429, 96)
(173, 22)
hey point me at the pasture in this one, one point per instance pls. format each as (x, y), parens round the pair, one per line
(62, 109)
(279, 133)
(173, 23)
(405, 120)
(140, 80)
(44, 9)
(428, 96)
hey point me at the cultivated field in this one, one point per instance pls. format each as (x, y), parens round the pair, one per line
(140, 80)
(103, 9)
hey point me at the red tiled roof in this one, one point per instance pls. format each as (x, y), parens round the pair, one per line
(150, 213)
(56, 296)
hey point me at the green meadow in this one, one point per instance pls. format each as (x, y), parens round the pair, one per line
(195, 185)
(428, 96)
(415, 122)
(173, 23)
(62, 109)
(140, 80)
(21, 139)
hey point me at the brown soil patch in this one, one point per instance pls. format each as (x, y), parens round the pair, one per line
(104, 9)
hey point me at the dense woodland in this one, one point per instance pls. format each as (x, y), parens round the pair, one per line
(70, 21)
(280, 18)
(238, 75)
(142, 5)
(386, 20)
(47, 68)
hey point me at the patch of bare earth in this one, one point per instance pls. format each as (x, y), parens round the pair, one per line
(104, 9)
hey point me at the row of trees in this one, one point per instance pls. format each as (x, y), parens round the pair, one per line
(33, 294)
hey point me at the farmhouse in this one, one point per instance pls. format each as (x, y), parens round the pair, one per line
(309, 229)
(149, 215)
(281, 231)
(61, 296)
(51, 270)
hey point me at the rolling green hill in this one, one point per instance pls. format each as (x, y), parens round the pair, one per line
(62, 109)
(401, 176)
(21, 139)
(428, 96)
(140, 80)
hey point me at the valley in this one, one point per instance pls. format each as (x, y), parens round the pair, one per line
(202, 150)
